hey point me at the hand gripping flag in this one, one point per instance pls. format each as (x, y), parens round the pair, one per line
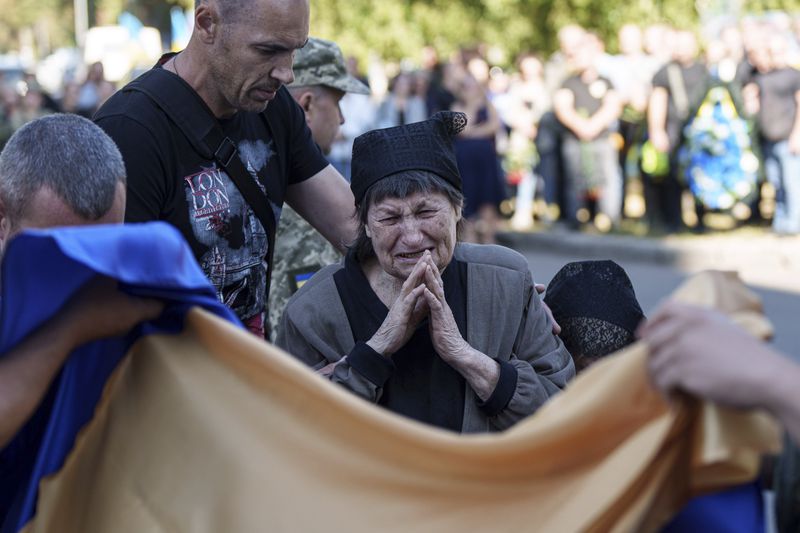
(40, 271)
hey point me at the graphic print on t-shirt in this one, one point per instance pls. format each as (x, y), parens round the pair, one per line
(237, 242)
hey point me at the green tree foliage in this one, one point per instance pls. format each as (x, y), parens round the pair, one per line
(32, 15)
(396, 29)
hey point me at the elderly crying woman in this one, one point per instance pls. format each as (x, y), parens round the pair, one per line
(450, 334)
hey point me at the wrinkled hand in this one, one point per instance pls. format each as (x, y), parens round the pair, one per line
(100, 310)
(540, 288)
(702, 352)
(404, 316)
(446, 338)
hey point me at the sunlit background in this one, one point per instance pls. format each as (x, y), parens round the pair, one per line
(58, 37)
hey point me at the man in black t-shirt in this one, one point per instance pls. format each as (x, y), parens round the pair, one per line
(779, 126)
(588, 107)
(237, 61)
(678, 90)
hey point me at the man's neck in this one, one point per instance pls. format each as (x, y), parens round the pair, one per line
(197, 75)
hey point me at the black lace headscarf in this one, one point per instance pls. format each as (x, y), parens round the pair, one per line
(596, 307)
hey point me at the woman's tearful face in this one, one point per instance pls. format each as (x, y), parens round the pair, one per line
(401, 229)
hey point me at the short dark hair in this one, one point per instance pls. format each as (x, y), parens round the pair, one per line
(66, 153)
(400, 185)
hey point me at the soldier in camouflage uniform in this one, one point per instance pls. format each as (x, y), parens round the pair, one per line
(320, 81)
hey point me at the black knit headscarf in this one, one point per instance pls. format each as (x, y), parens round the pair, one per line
(426, 145)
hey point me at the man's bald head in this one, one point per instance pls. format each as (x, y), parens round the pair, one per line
(237, 10)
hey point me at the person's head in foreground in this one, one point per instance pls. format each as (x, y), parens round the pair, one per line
(59, 170)
(320, 81)
(596, 307)
(446, 333)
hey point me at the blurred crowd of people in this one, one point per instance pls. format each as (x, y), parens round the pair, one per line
(447, 333)
(663, 132)
(23, 100)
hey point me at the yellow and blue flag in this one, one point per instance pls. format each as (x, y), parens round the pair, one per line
(41, 269)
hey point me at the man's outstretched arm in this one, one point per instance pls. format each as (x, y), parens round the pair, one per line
(99, 310)
(703, 353)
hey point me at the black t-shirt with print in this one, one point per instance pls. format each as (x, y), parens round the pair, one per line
(778, 109)
(696, 82)
(588, 96)
(168, 180)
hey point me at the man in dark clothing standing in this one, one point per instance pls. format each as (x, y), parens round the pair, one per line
(588, 107)
(678, 89)
(234, 68)
(778, 98)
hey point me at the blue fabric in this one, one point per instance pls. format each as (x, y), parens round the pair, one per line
(41, 270)
(736, 510)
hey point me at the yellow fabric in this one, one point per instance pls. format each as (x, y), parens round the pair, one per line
(213, 430)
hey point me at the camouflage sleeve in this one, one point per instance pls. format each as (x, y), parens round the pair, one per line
(300, 251)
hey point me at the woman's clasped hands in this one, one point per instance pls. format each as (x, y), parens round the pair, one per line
(421, 296)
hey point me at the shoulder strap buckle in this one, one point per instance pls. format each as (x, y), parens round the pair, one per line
(225, 152)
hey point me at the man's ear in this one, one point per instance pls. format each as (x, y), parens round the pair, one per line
(306, 101)
(5, 225)
(207, 21)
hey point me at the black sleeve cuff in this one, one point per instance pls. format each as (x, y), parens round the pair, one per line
(503, 391)
(372, 365)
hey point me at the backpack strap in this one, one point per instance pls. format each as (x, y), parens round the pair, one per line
(184, 107)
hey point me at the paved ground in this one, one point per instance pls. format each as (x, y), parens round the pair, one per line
(769, 265)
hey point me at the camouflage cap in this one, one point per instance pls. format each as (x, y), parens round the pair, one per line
(320, 62)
